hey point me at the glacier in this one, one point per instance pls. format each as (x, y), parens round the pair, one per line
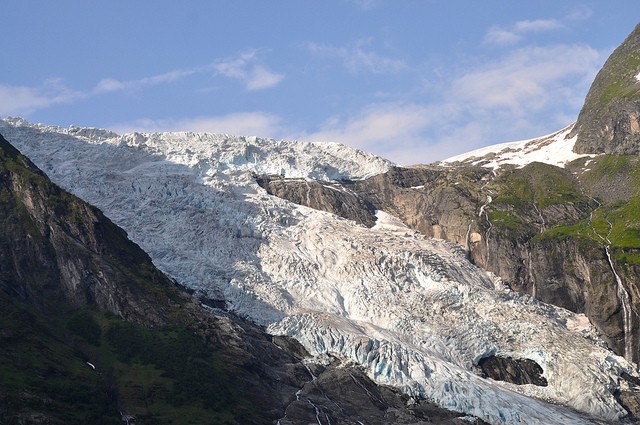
(412, 311)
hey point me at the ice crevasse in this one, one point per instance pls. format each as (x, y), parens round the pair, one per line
(412, 311)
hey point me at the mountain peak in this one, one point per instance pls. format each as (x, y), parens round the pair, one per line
(609, 121)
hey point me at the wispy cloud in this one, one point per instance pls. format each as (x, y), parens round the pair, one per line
(23, 100)
(509, 35)
(524, 93)
(242, 123)
(538, 25)
(365, 4)
(359, 57)
(108, 85)
(246, 68)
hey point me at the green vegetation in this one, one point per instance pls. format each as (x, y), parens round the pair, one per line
(40, 373)
(619, 222)
(521, 195)
(625, 230)
(508, 222)
(614, 86)
(162, 376)
(540, 184)
(581, 230)
(609, 167)
(84, 325)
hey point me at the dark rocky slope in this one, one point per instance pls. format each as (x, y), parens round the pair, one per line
(91, 332)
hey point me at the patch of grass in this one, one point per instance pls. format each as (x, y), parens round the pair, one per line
(614, 85)
(612, 166)
(625, 218)
(619, 222)
(510, 225)
(542, 184)
(162, 376)
(40, 372)
(580, 230)
(84, 325)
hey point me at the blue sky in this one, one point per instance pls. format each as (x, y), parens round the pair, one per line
(413, 81)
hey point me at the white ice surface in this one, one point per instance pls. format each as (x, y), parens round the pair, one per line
(554, 149)
(412, 311)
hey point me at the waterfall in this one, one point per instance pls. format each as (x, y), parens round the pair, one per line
(625, 300)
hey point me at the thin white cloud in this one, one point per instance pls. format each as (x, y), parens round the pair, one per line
(235, 67)
(527, 77)
(245, 67)
(528, 92)
(501, 37)
(261, 78)
(242, 124)
(365, 4)
(359, 57)
(23, 100)
(538, 25)
(512, 34)
(108, 85)
(379, 128)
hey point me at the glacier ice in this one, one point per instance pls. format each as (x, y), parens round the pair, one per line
(412, 311)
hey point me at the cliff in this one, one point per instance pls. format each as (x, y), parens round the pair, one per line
(609, 120)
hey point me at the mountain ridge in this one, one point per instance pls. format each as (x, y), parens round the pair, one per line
(508, 275)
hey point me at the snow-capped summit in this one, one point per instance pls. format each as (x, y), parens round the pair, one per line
(554, 149)
(412, 311)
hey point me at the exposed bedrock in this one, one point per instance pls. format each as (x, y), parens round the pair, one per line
(515, 371)
(538, 243)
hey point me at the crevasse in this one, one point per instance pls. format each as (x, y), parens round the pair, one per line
(412, 311)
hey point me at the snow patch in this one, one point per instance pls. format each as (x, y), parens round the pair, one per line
(554, 149)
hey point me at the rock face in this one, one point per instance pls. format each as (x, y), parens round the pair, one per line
(610, 119)
(533, 226)
(57, 249)
(515, 371)
(92, 332)
(322, 400)
(330, 197)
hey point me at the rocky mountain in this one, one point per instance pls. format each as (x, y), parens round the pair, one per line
(92, 332)
(565, 235)
(554, 217)
(407, 311)
(502, 283)
(610, 119)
